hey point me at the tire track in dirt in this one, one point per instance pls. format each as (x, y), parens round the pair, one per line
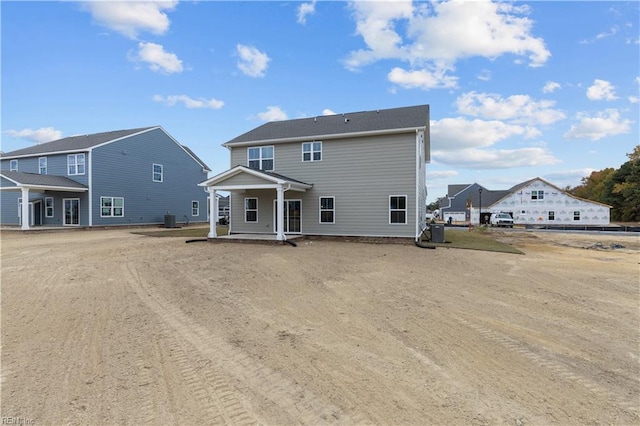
(559, 369)
(299, 404)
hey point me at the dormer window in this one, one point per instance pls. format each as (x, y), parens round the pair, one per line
(260, 158)
(312, 151)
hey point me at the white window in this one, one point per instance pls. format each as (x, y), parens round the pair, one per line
(261, 158)
(48, 206)
(552, 215)
(537, 195)
(327, 210)
(111, 207)
(13, 165)
(158, 174)
(398, 209)
(250, 209)
(75, 164)
(195, 208)
(42, 165)
(312, 151)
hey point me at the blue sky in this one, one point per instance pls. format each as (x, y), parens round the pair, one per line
(517, 89)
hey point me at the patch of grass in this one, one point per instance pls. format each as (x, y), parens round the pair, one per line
(477, 239)
(189, 232)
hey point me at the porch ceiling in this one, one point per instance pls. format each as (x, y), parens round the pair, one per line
(227, 181)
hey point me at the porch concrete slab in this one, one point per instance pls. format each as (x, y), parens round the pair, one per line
(254, 238)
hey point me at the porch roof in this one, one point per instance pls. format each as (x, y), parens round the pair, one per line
(265, 180)
(37, 181)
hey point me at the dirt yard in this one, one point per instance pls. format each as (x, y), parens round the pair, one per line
(109, 327)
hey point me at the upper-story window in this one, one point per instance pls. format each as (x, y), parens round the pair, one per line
(75, 164)
(537, 195)
(13, 165)
(312, 151)
(261, 158)
(42, 165)
(158, 173)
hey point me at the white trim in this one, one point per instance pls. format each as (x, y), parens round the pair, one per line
(320, 210)
(112, 207)
(11, 168)
(323, 137)
(153, 173)
(311, 152)
(89, 167)
(64, 216)
(250, 210)
(46, 168)
(197, 208)
(41, 187)
(406, 209)
(261, 158)
(75, 164)
(284, 202)
(53, 205)
(220, 178)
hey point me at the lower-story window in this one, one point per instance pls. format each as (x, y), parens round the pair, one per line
(250, 209)
(111, 207)
(398, 209)
(576, 215)
(327, 210)
(195, 208)
(48, 206)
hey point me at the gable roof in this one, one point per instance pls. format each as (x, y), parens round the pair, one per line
(75, 143)
(522, 185)
(378, 121)
(87, 142)
(270, 178)
(35, 180)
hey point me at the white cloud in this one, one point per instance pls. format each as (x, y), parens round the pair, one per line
(568, 177)
(634, 99)
(306, 9)
(157, 59)
(605, 123)
(441, 174)
(453, 134)
(601, 90)
(518, 108)
(327, 111)
(131, 18)
(484, 75)
(41, 135)
(496, 159)
(273, 113)
(189, 102)
(550, 87)
(252, 62)
(439, 34)
(422, 79)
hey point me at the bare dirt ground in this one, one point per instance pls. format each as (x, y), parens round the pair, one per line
(108, 327)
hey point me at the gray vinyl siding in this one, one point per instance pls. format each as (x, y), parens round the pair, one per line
(361, 173)
(265, 223)
(56, 165)
(246, 179)
(125, 169)
(9, 211)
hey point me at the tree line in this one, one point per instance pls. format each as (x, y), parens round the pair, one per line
(619, 188)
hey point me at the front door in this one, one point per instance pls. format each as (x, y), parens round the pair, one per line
(292, 216)
(71, 211)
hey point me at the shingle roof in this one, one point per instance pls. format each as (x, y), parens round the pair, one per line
(354, 122)
(195, 157)
(42, 180)
(74, 143)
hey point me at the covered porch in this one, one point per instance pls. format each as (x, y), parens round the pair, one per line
(241, 179)
(28, 183)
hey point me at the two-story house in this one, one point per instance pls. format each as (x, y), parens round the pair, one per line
(124, 177)
(355, 174)
(534, 202)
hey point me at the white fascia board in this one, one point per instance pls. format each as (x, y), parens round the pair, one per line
(323, 137)
(45, 188)
(224, 187)
(128, 136)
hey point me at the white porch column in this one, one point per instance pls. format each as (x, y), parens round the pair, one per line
(25, 209)
(280, 219)
(213, 214)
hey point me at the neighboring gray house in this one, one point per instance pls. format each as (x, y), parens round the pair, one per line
(535, 201)
(355, 174)
(124, 177)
